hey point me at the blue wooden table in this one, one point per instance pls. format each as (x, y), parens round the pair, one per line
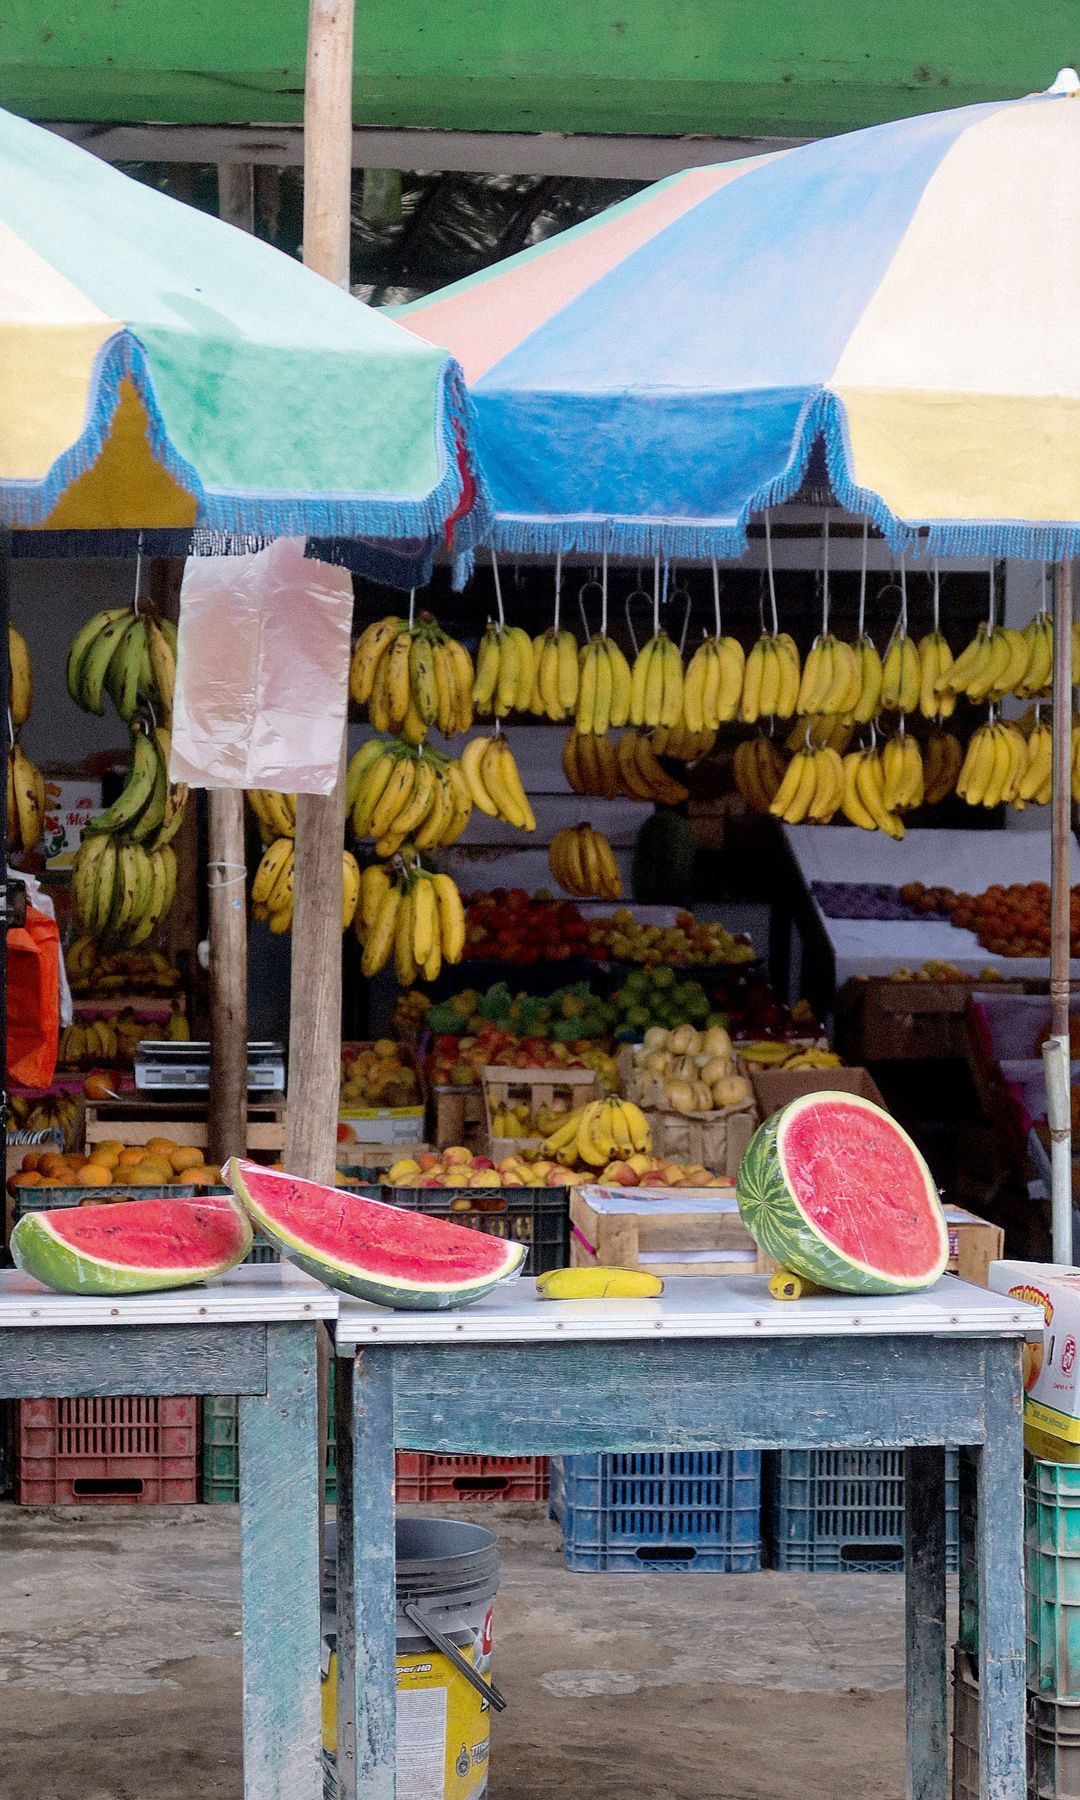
(251, 1333)
(714, 1364)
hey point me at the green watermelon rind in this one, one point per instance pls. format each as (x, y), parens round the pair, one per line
(367, 1284)
(776, 1222)
(38, 1250)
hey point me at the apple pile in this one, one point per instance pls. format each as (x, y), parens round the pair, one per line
(458, 1167)
(458, 1061)
(688, 943)
(508, 925)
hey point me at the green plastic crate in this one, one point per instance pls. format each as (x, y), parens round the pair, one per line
(221, 1457)
(1052, 1575)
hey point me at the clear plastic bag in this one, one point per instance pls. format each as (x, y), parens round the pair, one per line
(262, 671)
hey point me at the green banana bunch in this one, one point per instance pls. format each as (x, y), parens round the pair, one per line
(121, 890)
(129, 655)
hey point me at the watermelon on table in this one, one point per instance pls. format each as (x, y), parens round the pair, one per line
(141, 1247)
(833, 1188)
(371, 1249)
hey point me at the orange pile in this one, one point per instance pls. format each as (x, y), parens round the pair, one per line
(157, 1163)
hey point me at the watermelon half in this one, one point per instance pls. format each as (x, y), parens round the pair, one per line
(138, 1247)
(368, 1248)
(832, 1188)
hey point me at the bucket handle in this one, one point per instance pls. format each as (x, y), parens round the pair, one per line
(486, 1688)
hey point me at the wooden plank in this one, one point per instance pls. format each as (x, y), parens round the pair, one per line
(927, 1676)
(227, 1108)
(670, 1394)
(52, 1362)
(1000, 1537)
(367, 1646)
(279, 1572)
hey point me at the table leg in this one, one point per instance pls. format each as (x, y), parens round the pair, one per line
(1000, 1536)
(927, 1694)
(366, 1598)
(279, 1571)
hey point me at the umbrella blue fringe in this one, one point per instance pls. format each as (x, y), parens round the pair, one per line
(252, 517)
(823, 421)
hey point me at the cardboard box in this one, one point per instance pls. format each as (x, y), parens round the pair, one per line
(1052, 1366)
(386, 1125)
(773, 1088)
(668, 1231)
(69, 806)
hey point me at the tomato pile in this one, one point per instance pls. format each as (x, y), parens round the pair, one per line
(1008, 921)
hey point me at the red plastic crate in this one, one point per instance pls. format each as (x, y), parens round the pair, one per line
(424, 1477)
(123, 1450)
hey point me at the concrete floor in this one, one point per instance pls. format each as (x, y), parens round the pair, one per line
(120, 1669)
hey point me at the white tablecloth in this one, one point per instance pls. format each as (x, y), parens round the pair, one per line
(967, 861)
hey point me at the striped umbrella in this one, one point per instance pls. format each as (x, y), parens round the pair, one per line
(163, 371)
(899, 303)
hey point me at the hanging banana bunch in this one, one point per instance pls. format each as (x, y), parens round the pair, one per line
(275, 813)
(812, 788)
(819, 732)
(128, 653)
(680, 743)
(556, 675)
(25, 801)
(759, 770)
(942, 761)
(21, 680)
(656, 683)
(412, 676)
(772, 679)
(407, 913)
(583, 864)
(712, 686)
(863, 802)
(491, 776)
(902, 780)
(504, 672)
(629, 766)
(395, 791)
(1036, 782)
(994, 765)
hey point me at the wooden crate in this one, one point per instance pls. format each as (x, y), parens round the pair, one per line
(136, 1120)
(459, 1117)
(377, 1156)
(500, 1087)
(606, 1228)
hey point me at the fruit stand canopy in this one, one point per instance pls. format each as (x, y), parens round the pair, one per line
(162, 370)
(897, 305)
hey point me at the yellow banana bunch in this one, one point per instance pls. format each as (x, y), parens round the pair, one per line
(272, 889)
(871, 676)
(812, 788)
(599, 1132)
(350, 888)
(1036, 780)
(758, 770)
(21, 682)
(681, 744)
(713, 685)
(601, 767)
(656, 684)
(832, 678)
(25, 801)
(822, 730)
(604, 688)
(122, 890)
(1038, 676)
(863, 802)
(771, 679)
(583, 864)
(902, 780)
(395, 791)
(935, 661)
(505, 672)
(412, 677)
(556, 675)
(411, 915)
(994, 664)
(994, 765)
(901, 675)
(275, 813)
(491, 776)
(942, 762)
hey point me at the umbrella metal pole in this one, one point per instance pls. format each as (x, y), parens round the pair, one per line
(1056, 1049)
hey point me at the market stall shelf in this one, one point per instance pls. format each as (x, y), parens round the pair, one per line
(710, 1365)
(252, 1333)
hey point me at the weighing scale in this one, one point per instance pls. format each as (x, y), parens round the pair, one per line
(165, 1066)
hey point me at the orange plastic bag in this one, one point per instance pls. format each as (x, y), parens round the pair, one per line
(33, 1000)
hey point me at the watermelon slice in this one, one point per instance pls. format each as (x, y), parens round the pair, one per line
(139, 1247)
(833, 1189)
(365, 1247)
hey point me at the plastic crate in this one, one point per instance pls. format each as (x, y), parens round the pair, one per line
(965, 1731)
(122, 1450)
(420, 1477)
(7, 1447)
(538, 1217)
(660, 1510)
(221, 1450)
(1052, 1576)
(1053, 1749)
(969, 1575)
(843, 1510)
(36, 1199)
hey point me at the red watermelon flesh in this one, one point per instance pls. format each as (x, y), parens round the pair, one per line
(376, 1251)
(862, 1185)
(140, 1246)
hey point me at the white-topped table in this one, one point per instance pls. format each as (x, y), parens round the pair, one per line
(710, 1365)
(251, 1333)
(967, 861)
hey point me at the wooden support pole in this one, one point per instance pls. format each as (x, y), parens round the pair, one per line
(1056, 1052)
(315, 999)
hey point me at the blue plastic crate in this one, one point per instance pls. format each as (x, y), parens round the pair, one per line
(843, 1510)
(672, 1510)
(221, 1450)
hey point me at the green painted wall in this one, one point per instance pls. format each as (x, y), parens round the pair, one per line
(776, 67)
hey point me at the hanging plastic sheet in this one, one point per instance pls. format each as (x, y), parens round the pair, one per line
(262, 671)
